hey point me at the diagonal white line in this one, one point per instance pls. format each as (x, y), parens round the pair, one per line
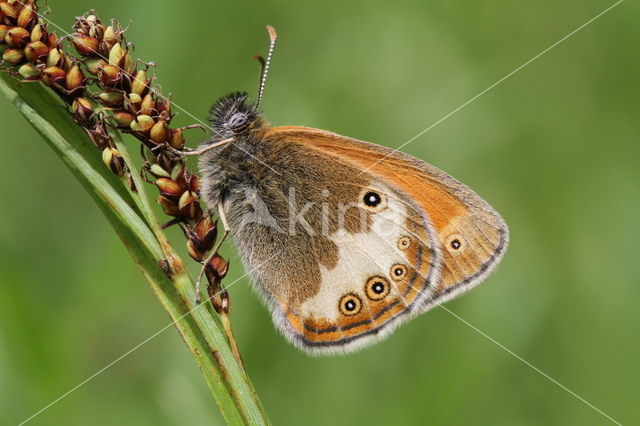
(518, 357)
(493, 85)
(158, 94)
(136, 347)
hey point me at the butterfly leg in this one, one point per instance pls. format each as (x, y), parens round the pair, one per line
(214, 250)
(199, 151)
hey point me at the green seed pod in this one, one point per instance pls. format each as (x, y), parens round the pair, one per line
(123, 119)
(157, 171)
(94, 64)
(112, 98)
(116, 55)
(140, 83)
(29, 71)
(142, 123)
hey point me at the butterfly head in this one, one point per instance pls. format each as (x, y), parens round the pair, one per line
(232, 116)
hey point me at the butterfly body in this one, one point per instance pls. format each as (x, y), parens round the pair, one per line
(344, 239)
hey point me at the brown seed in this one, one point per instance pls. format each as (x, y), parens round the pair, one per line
(99, 135)
(36, 51)
(206, 232)
(220, 265)
(163, 106)
(133, 102)
(140, 83)
(75, 78)
(169, 188)
(8, 10)
(169, 207)
(147, 106)
(112, 99)
(123, 119)
(194, 184)
(177, 140)
(55, 58)
(53, 75)
(3, 31)
(194, 251)
(52, 40)
(13, 56)
(82, 111)
(113, 159)
(26, 15)
(85, 45)
(67, 62)
(110, 36)
(38, 33)
(159, 132)
(109, 75)
(17, 37)
(189, 205)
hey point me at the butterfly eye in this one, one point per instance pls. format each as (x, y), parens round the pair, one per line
(374, 200)
(237, 120)
(398, 272)
(350, 304)
(404, 243)
(377, 288)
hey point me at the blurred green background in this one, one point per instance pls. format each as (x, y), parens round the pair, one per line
(554, 149)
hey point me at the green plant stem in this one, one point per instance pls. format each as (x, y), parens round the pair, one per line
(185, 286)
(140, 195)
(203, 334)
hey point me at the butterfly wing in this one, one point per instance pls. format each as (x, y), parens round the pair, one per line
(341, 258)
(471, 235)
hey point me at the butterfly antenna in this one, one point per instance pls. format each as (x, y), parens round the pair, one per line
(273, 37)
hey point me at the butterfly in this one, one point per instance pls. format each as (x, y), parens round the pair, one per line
(344, 239)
